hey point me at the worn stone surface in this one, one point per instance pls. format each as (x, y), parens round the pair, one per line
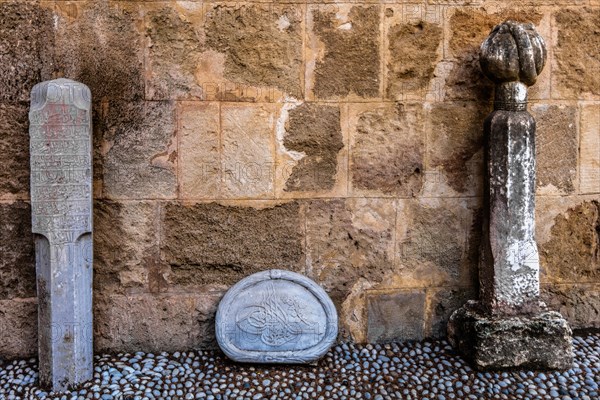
(262, 44)
(216, 244)
(396, 316)
(542, 341)
(315, 131)
(469, 26)
(387, 150)
(577, 53)
(350, 55)
(14, 150)
(589, 167)
(276, 316)
(199, 150)
(413, 53)
(572, 254)
(107, 54)
(578, 303)
(348, 240)
(433, 242)
(18, 327)
(455, 147)
(150, 322)
(27, 48)
(60, 136)
(442, 303)
(557, 147)
(174, 53)
(248, 151)
(139, 149)
(126, 246)
(17, 263)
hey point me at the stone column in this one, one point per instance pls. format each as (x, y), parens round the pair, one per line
(509, 327)
(60, 133)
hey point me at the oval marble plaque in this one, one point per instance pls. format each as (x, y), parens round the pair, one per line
(276, 316)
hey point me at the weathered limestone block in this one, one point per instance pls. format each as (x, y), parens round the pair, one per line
(509, 327)
(455, 151)
(412, 51)
(125, 246)
(589, 162)
(577, 54)
(276, 316)
(570, 253)
(313, 130)
(18, 328)
(155, 323)
(17, 262)
(99, 44)
(579, 303)
(386, 149)
(27, 49)
(396, 316)
(435, 242)
(209, 243)
(61, 211)
(139, 149)
(199, 150)
(346, 51)
(14, 151)
(349, 240)
(557, 147)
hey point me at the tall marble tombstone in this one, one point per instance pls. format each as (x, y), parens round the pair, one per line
(509, 326)
(61, 202)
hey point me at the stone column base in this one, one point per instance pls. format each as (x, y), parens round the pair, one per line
(541, 341)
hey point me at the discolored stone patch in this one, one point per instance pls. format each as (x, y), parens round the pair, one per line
(17, 262)
(349, 240)
(314, 130)
(578, 303)
(577, 52)
(139, 149)
(248, 153)
(387, 150)
(26, 48)
(18, 328)
(175, 50)
(456, 137)
(125, 246)
(468, 29)
(14, 149)
(150, 320)
(557, 146)
(350, 64)
(431, 242)
(262, 44)
(215, 244)
(443, 302)
(573, 252)
(98, 44)
(396, 316)
(199, 150)
(412, 56)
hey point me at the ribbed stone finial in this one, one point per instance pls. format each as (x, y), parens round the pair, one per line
(513, 52)
(512, 56)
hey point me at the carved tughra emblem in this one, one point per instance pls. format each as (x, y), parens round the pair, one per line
(276, 316)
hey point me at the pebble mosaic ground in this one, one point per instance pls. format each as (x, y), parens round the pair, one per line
(425, 370)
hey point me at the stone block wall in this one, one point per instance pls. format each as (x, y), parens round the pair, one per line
(339, 140)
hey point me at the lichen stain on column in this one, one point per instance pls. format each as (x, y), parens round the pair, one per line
(61, 210)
